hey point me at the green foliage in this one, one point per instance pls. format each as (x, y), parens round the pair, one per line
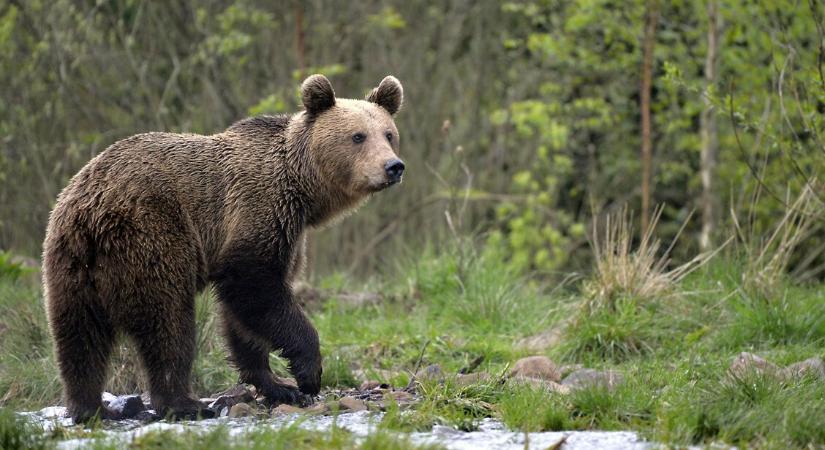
(755, 409)
(11, 269)
(19, 433)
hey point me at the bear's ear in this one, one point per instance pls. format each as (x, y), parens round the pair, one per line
(317, 94)
(389, 94)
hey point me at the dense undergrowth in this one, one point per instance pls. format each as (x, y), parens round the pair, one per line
(451, 308)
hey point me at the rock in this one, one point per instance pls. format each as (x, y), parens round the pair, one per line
(231, 397)
(352, 404)
(372, 385)
(398, 396)
(431, 372)
(813, 367)
(746, 363)
(241, 410)
(590, 377)
(107, 397)
(473, 378)
(541, 341)
(286, 409)
(567, 369)
(318, 408)
(540, 367)
(548, 385)
(128, 406)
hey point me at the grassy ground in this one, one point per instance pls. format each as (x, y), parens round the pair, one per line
(450, 308)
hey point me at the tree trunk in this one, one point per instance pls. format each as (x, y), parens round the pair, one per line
(651, 17)
(300, 50)
(708, 132)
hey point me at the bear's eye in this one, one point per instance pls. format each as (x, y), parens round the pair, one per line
(389, 136)
(359, 138)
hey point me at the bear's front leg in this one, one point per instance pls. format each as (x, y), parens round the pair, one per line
(250, 355)
(261, 316)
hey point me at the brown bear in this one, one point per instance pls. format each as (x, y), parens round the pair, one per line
(157, 217)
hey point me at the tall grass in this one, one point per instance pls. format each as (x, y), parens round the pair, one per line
(630, 286)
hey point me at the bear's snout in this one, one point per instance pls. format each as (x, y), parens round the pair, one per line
(394, 169)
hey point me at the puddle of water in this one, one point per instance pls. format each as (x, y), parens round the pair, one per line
(491, 434)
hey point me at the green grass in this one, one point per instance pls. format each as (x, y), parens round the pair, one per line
(446, 309)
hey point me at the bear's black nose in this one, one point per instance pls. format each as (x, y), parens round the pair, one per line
(394, 169)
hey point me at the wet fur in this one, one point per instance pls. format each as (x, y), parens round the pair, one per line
(157, 217)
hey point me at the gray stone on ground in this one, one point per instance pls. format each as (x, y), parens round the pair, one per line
(747, 363)
(128, 406)
(583, 378)
(431, 372)
(540, 367)
(538, 383)
(813, 367)
(473, 378)
(567, 369)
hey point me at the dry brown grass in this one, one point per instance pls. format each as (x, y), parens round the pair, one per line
(768, 256)
(623, 270)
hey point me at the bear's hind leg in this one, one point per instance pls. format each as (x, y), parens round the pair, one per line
(83, 337)
(165, 338)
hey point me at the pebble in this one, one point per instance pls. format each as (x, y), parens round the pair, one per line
(746, 363)
(286, 409)
(352, 404)
(540, 367)
(473, 378)
(241, 410)
(590, 377)
(814, 367)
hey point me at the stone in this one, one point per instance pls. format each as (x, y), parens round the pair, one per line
(352, 404)
(318, 408)
(431, 372)
(746, 363)
(540, 367)
(128, 406)
(231, 397)
(538, 383)
(398, 396)
(241, 410)
(473, 378)
(591, 378)
(567, 369)
(813, 367)
(373, 385)
(286, 409)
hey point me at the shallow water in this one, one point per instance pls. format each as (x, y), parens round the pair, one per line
(491, 434)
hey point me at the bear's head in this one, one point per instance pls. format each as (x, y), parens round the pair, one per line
(353, 144)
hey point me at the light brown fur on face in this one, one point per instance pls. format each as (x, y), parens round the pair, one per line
(156, 217)
(357, 168)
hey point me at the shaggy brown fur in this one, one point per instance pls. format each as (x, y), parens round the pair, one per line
(155, 218)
